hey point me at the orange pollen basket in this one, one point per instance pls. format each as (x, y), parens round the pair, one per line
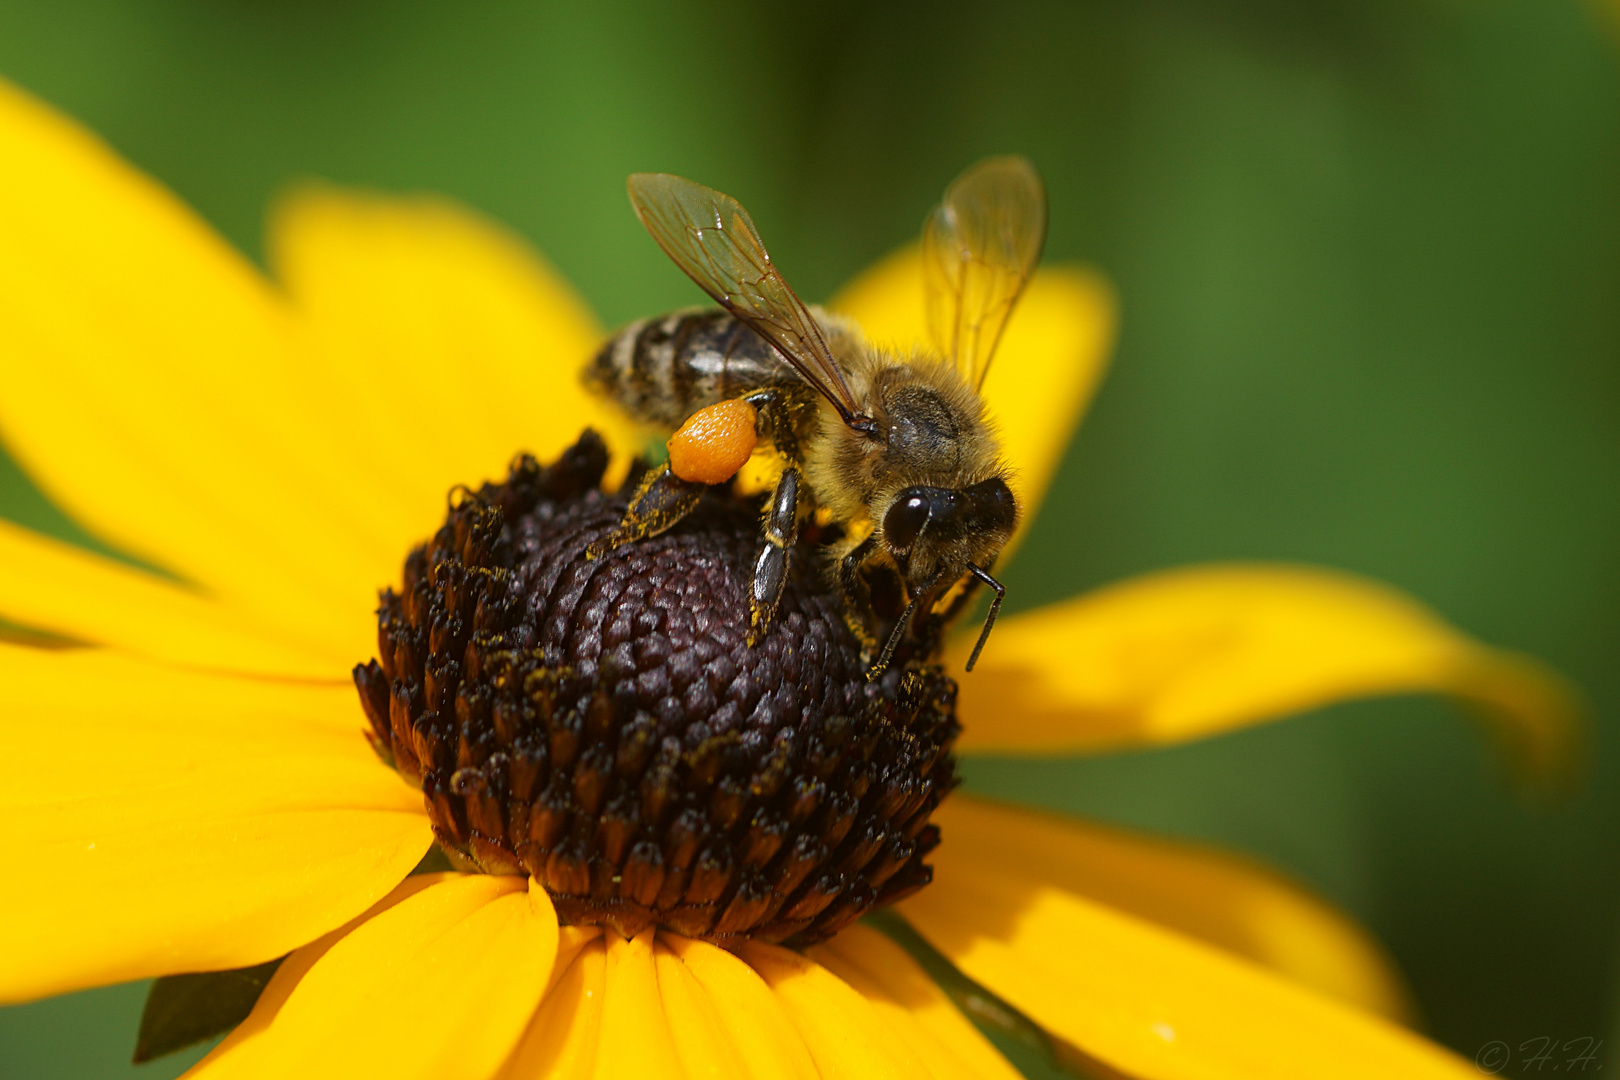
(714, 442)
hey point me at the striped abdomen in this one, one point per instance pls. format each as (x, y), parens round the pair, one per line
(663, 370)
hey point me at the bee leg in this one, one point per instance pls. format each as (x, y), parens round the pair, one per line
(658, 504)
(768, 404)
(857, 596)
(939, 620)
(924, 599)
(781, 528)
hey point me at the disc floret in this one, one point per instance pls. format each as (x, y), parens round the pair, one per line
(603, 724)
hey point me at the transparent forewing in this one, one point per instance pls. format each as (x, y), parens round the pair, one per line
(712, 238)
(979, 247)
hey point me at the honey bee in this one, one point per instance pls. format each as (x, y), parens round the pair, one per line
(893, 448)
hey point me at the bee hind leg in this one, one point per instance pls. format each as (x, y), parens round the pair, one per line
(781, 529)
(659, 503)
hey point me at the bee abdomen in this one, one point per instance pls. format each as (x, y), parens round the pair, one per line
(663, 370)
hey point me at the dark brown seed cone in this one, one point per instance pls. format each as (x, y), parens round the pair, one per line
(603, 725)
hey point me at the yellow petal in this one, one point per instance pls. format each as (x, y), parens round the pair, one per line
(292, 969)
(914, 1008)
(438, 986)
(635, 1040)
(155, 390)
(702, 1043)
(846, 1036)
(456, 345)
(1223, 899)
(1149, 1002)
(163, 821)
(571, 942)
(1186, 653)
(1052, 355)
(561, 1041)
(751, 1015)
(54, 586)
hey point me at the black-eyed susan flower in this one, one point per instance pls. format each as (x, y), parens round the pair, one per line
(190, 789)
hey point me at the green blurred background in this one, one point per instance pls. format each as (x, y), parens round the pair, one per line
(1368, 253)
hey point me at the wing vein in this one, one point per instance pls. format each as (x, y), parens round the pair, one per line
(727, 259)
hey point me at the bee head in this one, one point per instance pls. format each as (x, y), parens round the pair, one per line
(927, 529)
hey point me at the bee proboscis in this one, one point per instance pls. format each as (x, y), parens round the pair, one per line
(894, 448)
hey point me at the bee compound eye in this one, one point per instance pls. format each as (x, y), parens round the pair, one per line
(991, 503)
(905, 519)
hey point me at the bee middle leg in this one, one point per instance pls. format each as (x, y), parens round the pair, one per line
(780, 524)
(660, 502)
(781, 413)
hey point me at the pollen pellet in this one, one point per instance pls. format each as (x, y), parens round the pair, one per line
(714, 442)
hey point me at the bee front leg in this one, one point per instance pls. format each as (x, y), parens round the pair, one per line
(857, 595)
(781, 529)
(661, 501)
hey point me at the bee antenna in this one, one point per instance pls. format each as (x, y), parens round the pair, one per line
(990, 617)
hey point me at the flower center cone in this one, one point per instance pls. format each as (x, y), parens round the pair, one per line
(602, 724)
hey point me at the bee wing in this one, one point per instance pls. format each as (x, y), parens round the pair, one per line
(712, 238)
(979, 247)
